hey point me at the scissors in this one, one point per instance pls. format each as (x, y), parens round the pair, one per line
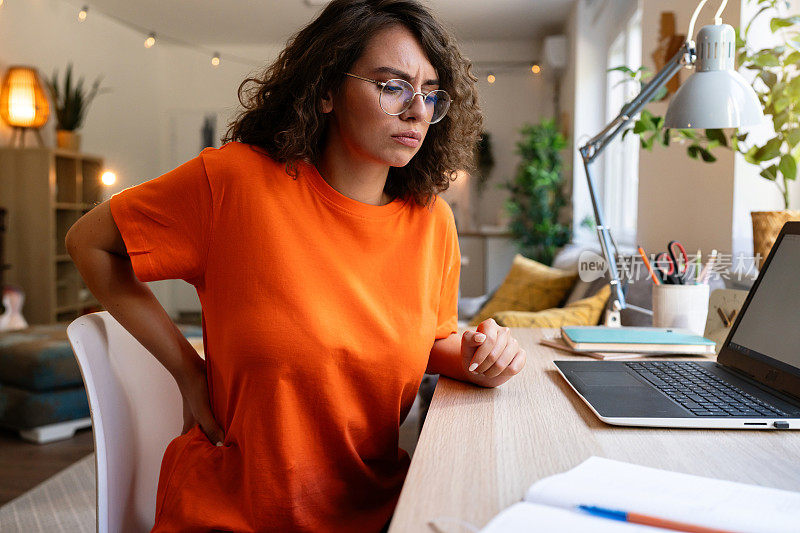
(676, 271)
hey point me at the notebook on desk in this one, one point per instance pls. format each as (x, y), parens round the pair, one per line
(636, 339)
(552, 503)
(754, 383)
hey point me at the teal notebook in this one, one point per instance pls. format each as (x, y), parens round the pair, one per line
(631, 335)
(637, 339)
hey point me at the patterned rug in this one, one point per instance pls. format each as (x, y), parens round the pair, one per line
(64, 502)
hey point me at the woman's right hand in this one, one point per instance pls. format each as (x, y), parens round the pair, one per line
(196, 404)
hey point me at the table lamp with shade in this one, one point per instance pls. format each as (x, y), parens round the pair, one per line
(23, 103)
(714, 96)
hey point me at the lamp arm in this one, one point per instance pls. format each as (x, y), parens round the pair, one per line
(595, 146)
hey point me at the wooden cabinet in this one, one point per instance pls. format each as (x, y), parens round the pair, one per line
(45, 191)
(486, 258)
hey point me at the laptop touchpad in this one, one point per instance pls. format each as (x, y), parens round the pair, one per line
(606, 379)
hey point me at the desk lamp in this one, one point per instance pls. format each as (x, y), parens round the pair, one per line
(714, 96)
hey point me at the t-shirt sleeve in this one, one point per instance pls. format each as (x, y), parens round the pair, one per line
(447, 322)
(166, 223)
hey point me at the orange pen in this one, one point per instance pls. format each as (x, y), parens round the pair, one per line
(649, 268)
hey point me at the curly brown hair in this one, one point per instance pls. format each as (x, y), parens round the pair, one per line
(282, 111)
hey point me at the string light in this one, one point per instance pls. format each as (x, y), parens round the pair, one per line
(83, 13)
(150, 41)
(536, 69)
(215, 59)
(491, 78)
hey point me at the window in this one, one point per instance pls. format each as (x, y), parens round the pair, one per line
(621, 156)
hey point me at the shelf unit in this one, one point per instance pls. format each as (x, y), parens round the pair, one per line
(45, 191)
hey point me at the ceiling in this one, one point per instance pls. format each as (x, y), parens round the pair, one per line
(245, 22)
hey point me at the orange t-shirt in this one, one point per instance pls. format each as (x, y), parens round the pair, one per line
(319, 314)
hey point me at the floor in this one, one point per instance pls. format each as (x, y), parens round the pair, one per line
(23, 465)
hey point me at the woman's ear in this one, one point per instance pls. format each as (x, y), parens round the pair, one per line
(327, 102)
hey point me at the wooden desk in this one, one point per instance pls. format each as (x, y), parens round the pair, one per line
(480, 449)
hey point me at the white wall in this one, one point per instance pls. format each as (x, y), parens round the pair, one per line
(160, 94)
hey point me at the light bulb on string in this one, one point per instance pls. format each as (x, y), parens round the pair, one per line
(215, 59)
(83, 13)
(491, 78)
(536, 69)
(150, 41)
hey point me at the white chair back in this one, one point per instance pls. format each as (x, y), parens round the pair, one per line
(136, 410)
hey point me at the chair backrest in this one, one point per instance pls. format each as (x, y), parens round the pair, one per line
(136, 410)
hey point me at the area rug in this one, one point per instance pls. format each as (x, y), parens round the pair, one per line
(64, 502)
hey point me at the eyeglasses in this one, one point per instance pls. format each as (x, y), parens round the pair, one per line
(397, 96)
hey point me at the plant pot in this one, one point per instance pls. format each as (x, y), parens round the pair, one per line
(766, 227)
(68, 140)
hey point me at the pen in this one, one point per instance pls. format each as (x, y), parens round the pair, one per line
(649, 268)
(636, 518)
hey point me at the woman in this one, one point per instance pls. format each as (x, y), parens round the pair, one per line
(327, 273)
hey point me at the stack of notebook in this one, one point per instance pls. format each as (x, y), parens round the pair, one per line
(603, 342)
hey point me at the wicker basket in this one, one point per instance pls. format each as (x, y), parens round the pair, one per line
(766, 227)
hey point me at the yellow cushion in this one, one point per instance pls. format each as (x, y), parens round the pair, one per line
(529, 286)
(586, 312)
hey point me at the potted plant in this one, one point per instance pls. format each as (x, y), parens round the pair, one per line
(537, 194)
(71, 104)
(777, 84)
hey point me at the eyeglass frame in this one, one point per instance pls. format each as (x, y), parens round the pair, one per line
(383, 84)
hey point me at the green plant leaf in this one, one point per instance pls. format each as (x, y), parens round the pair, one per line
(771, 150)
(717, 135)
(788, 167)
(777, 23)
(766, 59)
(793, 137)
(768, 77)
(707, 156)
(771, 172)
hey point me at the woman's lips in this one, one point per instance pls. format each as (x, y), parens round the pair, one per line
(408, 141)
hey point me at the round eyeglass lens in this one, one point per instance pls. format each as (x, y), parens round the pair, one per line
(396, 96)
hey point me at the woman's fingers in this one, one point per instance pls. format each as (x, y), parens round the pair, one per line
(488, 354)
(504, 360)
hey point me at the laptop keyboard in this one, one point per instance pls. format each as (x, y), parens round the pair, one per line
(700, 391)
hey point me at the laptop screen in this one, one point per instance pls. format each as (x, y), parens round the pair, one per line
(768, 329)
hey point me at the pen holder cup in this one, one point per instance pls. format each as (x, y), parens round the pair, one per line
(681, 306)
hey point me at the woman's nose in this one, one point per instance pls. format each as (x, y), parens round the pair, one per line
(417, 108)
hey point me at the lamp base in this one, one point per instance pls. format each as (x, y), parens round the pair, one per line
(18, 135)
(612, 319)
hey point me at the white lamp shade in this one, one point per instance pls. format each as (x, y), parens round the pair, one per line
(714, 99)
(715, 96)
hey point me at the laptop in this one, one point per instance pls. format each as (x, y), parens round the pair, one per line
(753, 384)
